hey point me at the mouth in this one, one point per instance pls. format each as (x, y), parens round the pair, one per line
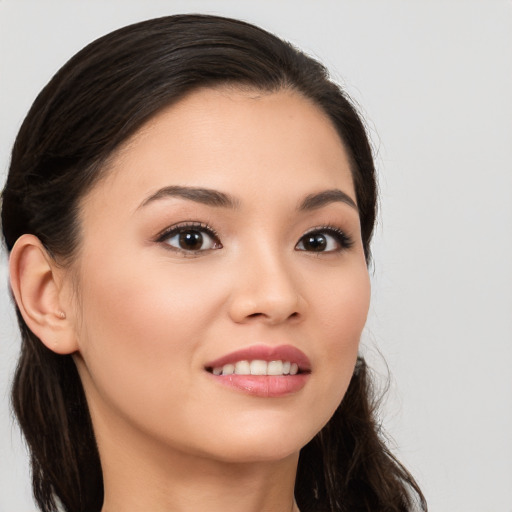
(263, 371)
(257, 367)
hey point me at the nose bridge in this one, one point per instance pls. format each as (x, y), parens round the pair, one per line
(266, 285)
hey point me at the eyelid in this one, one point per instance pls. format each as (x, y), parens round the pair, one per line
(344, 240)
(175, 229)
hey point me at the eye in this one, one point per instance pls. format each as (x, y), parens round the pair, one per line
(327, 239)
(190, 238)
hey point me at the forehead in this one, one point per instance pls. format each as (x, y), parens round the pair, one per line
(241, 141)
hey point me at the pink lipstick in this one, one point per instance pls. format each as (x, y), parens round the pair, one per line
(261, 370)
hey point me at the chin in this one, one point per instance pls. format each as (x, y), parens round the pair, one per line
(261, 443)
(256, 453)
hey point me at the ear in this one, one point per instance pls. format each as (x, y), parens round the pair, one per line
(38, 288)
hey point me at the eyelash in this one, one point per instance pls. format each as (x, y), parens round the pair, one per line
(188, 226)
(344, 241)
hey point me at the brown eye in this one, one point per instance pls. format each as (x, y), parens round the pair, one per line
(191, 239)
(324, 240)
(314, 242)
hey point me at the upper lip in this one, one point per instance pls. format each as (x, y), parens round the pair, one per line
(264, 353)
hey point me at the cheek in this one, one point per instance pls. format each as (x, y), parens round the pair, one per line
(145, 303)
(140, 329)
(341, 312)
(342, 305)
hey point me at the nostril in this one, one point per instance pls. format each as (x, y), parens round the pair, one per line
(256, 315)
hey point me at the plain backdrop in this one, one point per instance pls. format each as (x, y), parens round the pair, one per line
(434, 82)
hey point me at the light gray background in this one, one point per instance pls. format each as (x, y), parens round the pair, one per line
(434, 82)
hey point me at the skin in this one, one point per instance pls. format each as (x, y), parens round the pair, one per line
(143, 318)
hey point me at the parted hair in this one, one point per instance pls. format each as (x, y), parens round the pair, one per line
(97, 100)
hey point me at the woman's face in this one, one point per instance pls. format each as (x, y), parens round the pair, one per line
(225, 231)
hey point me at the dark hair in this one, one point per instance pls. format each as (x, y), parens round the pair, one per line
(94, 103)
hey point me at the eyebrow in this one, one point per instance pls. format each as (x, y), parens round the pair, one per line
(315, 201)
(205, 196)
(216, 198)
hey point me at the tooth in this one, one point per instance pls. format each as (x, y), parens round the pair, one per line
(286, 367)
(217, 371)
(275, 368)
(242, 368)
(258, 367)
(294, 368)
(228, 369)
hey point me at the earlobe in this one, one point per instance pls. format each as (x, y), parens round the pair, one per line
(37, 288)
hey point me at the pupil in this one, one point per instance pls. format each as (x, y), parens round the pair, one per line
(316, 242)
(191, 240)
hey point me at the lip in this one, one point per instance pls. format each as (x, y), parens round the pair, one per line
(265, 353)
(265, 386)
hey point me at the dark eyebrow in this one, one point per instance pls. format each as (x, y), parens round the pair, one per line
(199, 195)
(314, 201)
(216, 198)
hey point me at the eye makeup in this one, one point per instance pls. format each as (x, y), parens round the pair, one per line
(325, 239)
(191, 238)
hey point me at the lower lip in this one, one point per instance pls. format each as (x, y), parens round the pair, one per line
(266, 386)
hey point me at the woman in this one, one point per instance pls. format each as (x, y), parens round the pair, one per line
(189, 210)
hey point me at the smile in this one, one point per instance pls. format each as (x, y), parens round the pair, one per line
(262, 370)
(257, 367)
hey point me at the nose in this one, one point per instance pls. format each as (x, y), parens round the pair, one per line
(266, 289)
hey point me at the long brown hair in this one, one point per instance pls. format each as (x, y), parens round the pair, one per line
(94, 103)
